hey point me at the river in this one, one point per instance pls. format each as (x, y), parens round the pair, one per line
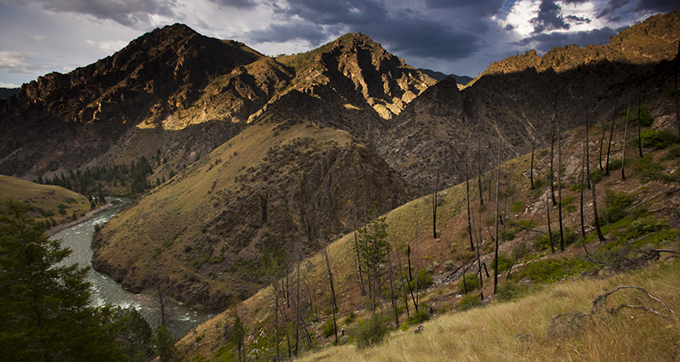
(106, 291)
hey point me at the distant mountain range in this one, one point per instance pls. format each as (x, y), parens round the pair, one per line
(460, 79)
(6, 92)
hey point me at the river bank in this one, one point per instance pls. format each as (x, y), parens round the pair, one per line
(89, 215)
(77, 235)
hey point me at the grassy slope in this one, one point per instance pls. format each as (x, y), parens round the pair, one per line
(522, 330)
(46, 197)
(415, 218)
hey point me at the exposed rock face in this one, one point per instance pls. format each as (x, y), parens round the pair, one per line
(70, 119)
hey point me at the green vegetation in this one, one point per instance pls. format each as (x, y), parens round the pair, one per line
(469, 301)
(89, 181)
(471, 283)
(371, 331)
(551, 270)
(656, 139)
(45, 307)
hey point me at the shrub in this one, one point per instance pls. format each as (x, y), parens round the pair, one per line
(424, 280)
(517, 206)
(420, 316)
(656, 139)
(596, 175)
(538, 183)
(508, 291)
(542, 242)
(327, 328)
(448, 265)
(615, 164)
(615, 207)
(673, 153)
(506, 234)
(471, 283)
(550, 270)
(503, 263)
(469, 301)
(371, 331)
(350, 317)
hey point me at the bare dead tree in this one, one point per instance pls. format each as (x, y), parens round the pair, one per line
(333, 300)
(467, 185)
(625, 140)
(559, 179)
(394, 305)
(402, 276)
(479, 165)
(639, 123)
(596, 218)
(498, 187)
(582, 180)
(434, 207)
(611, 135)
(552, 151)
(547, 208)
(531, 168)
(356, 248)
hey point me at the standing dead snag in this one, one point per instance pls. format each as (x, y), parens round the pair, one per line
(559, 177)
(552, 151)
(639, 124)
(498, 186)
(467, 185)
(434, 207)
(611, 135)
(531, 168)
(596, 218)
(625, 140)
(334, 301)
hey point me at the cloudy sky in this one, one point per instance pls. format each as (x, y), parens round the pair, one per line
(451, 36)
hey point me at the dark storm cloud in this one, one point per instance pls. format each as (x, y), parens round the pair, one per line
(662, 6)
(609, 11)
(544, 42)
(549, 18)
(132, 13)
(239, 4)
(478, 7)
(404, 32)
(280, 33)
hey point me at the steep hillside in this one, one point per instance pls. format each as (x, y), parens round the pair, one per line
(278, 183)
(301, 168)
(71, 120)
(47, 200)
(516, 99)
(640, 222)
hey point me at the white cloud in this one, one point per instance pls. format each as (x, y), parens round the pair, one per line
(8, 85)
(16, 62)
(519, 17)
(107, 46)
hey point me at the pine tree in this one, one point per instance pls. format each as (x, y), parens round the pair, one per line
(44, 307)
(373, 248)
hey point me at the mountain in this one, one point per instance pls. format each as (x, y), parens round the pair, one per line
(512, 103)
(302, 168)
(6, 92)
(460, 79)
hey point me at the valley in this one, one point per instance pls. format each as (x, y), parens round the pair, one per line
(253, 179)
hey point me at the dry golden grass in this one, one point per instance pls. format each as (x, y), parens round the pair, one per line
(46, 197)
(521, 330)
